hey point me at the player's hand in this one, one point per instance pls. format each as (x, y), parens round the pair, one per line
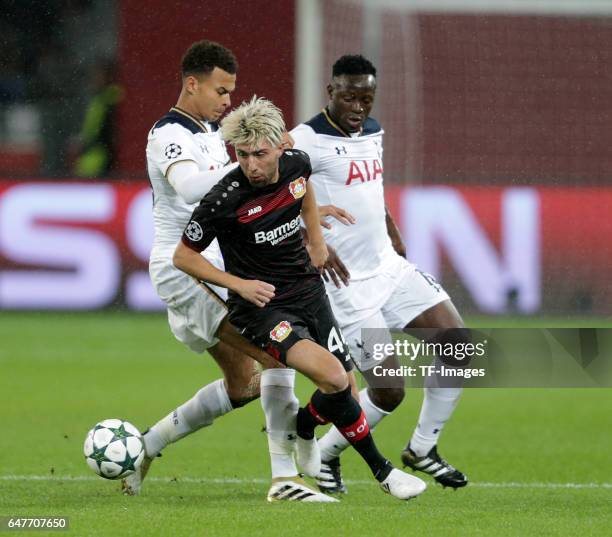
(318, 254)
(255, 291)
(335, 269)
(287, 140)
(336, 212)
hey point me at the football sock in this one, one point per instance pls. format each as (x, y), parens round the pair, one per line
(280, 406)
(201, 410)
(332, 444)
(345, 413)
(438, 406)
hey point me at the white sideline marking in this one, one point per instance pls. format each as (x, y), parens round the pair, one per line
(239, 481)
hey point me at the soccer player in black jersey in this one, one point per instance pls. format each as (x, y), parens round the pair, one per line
(276, 296)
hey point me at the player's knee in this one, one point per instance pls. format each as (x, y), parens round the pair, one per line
(335, 380)
(333, 385)
(387, 399)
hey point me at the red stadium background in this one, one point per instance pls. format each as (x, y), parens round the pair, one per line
(154, 36)
(76, 245)
(481, 103)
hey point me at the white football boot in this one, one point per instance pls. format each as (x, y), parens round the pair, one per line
(294, 489)
(402, 485)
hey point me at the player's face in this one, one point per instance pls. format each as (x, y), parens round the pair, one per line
(351, 98)
(210, 94)
(259, 163)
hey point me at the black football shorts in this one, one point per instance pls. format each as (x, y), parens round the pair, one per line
(276, 328)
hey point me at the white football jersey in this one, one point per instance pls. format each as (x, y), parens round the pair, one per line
(347, 171)
(175, 137)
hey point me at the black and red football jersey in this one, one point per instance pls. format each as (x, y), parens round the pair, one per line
(259, 229)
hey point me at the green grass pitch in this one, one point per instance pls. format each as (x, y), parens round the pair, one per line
(540, 461)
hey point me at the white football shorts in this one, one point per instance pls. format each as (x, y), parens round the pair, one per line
(388, 301)
(195, 310)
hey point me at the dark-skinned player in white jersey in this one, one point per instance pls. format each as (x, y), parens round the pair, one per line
(385, 290)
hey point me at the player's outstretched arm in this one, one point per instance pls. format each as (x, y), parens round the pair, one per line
(394, 234)
(190, 183)
(310, 215)
(194, 264)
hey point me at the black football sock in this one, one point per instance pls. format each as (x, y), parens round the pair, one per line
(307, 420)
(345, 413)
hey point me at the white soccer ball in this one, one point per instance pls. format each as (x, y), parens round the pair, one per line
(114, 448)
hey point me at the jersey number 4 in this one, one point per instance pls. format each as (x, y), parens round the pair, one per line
(337, 343)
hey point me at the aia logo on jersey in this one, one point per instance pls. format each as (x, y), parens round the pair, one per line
(363, 171)
(298, 188)
(281, 331)
(254, 210)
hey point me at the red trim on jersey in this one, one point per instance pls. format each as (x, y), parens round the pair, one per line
(273, 351)
(356, 431)
(268, 203)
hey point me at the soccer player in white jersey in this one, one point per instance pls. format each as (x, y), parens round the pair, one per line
(183, 147)
(385, 291)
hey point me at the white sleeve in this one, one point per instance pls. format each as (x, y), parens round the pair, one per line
(306, 140)
(170, 144)
(190, 183)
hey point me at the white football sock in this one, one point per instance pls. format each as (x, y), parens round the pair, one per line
(438, 406)
(200, 411)
(280, 406)
(333, 443)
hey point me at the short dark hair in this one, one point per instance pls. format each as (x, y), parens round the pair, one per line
(203, 56)
(353, 64)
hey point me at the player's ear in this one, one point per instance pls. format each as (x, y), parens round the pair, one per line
(330, 91)
(191, 84)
